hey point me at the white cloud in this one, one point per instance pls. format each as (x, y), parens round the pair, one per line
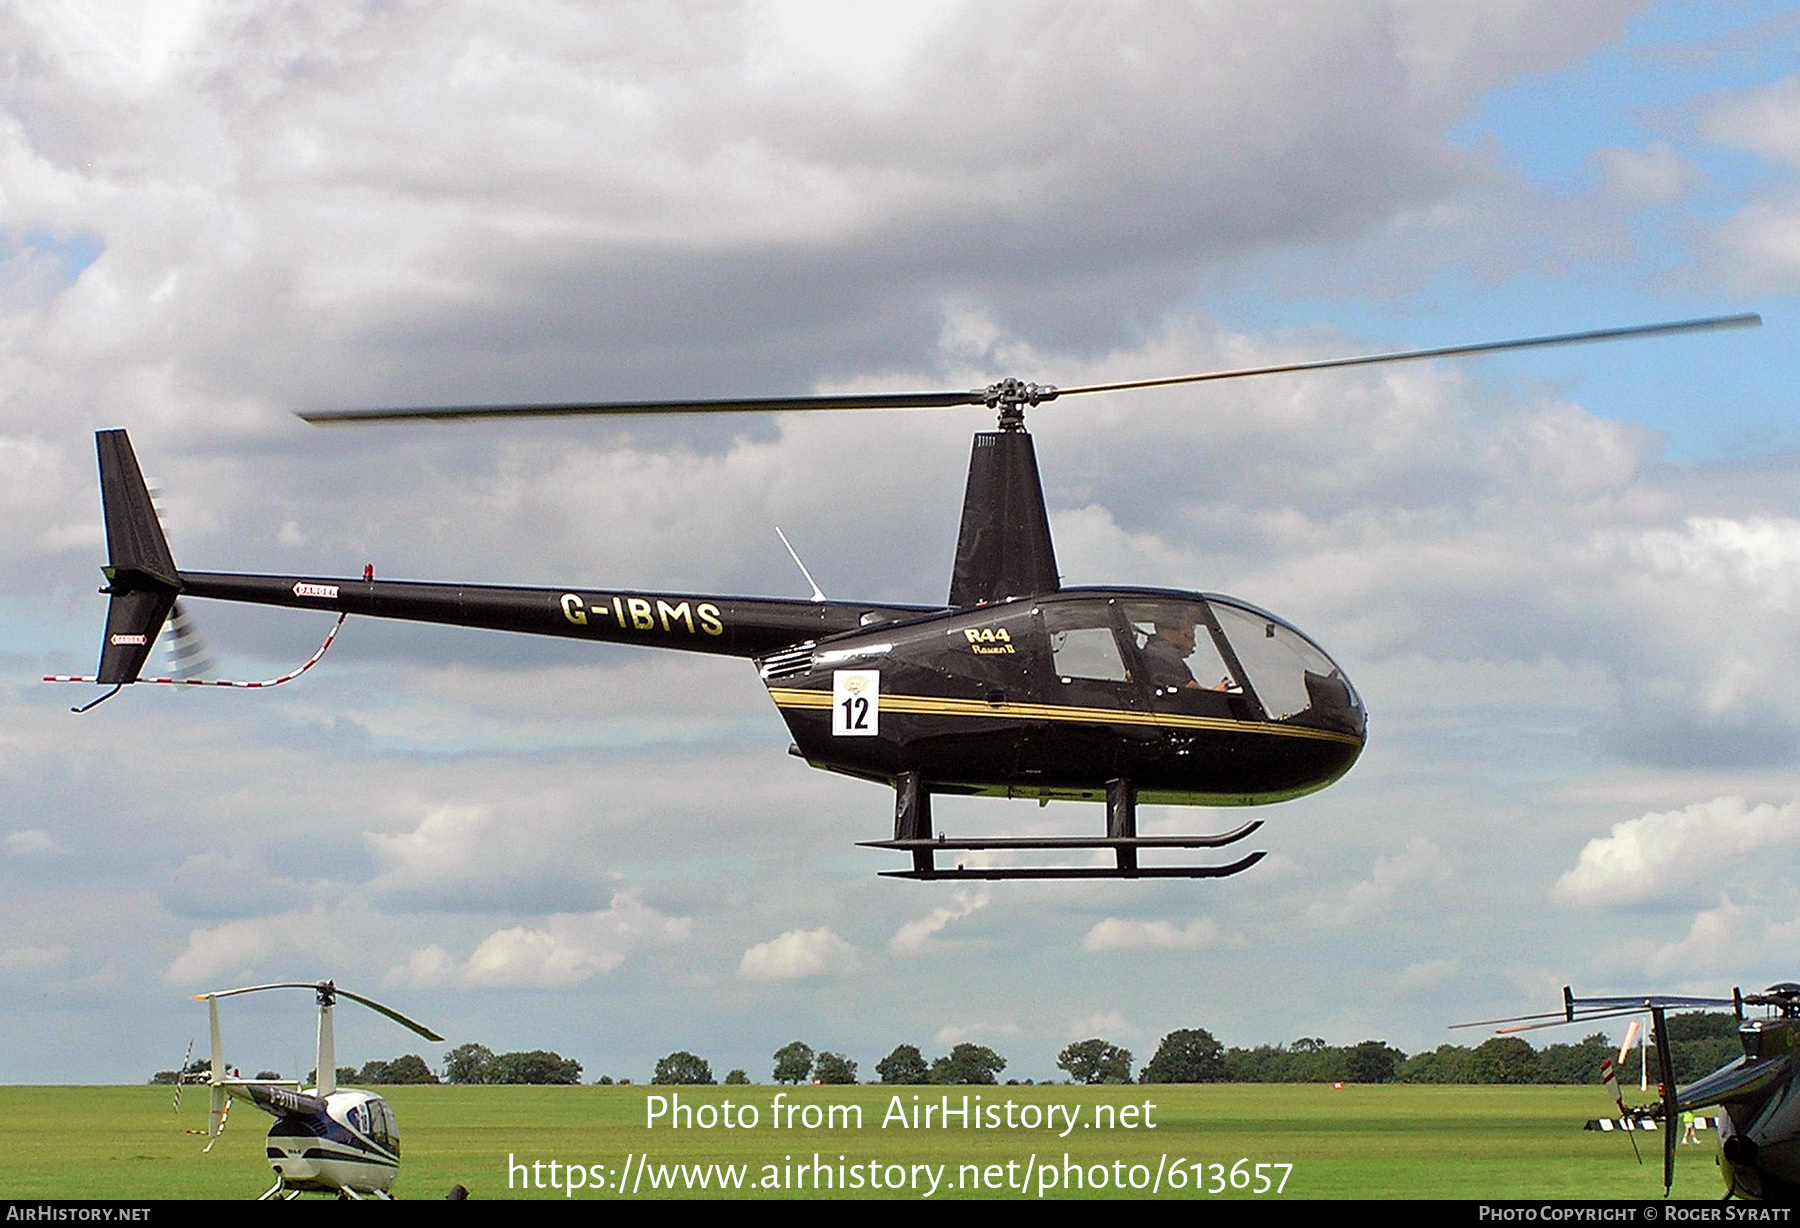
(1562, 449)
(1100, 1023)
(529, 851)
(225, 951)
(32, 842)
(1717, 938)
(565, 950)
(1429, 974)
(519, 958)
(1761, 243)
(1755, 559)
(1666, 852)
(800, 955)
(1393, 878)
(451, 844)
(977, 1033)
(426, 967)
(1120, 934)
(1654, 175)
(21, 960)
(917, 937)
(1766, 120)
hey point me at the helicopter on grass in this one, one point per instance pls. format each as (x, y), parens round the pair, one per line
(1758, 1096)
(326, 1140)
(1013, 687)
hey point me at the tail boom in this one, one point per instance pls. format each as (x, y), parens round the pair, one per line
(720, 626)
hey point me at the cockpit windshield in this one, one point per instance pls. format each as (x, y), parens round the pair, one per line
(1188, 646)
(1288, 672)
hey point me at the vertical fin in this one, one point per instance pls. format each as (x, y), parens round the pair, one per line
(1665, 1067)
(141, 571)
(1004, 548)
(216, 1109)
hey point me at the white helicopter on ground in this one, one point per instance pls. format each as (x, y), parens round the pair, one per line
(326, 1140)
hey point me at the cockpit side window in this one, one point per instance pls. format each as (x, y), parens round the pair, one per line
(1175, 641)
(1083, 645)
(1088, 652)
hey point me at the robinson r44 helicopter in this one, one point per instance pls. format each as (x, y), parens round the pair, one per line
(1013, 687)
(329, 1140)
(1758, 1095)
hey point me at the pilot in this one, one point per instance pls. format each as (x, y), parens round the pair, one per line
(1166, 653)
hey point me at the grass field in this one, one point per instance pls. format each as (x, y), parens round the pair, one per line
(1382, 1142)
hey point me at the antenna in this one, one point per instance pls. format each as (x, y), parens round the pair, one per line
(818, 594)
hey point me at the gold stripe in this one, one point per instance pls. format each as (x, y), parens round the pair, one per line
(923, 705)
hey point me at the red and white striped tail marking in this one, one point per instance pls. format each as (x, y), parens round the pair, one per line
(266, 682)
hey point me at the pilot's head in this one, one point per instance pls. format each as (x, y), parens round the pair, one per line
(1179, 632)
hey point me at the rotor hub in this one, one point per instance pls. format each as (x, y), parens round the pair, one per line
(1011, 396)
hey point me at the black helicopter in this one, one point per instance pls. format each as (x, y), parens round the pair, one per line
(1014, 687)
(1758, 1096)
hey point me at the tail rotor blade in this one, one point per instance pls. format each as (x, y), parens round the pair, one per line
(187, 652)
(1609, 1075)
(181, 1072)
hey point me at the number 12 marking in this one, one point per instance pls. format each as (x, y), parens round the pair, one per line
(855, 703)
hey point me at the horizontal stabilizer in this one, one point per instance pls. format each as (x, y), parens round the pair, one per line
(133, 621)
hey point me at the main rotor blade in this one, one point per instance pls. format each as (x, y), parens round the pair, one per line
(391, 1013)
(1009, 395)
(1583, 1010)
(736, 405)
(373, 1005)
(228, 993)
(1645, 1002)
(1748, 320)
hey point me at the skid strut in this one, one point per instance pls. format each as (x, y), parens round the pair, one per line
(912, 834)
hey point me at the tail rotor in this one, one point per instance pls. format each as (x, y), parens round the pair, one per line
(185, 651)
(181, 1073)
(144, 586)
(1609, 1075)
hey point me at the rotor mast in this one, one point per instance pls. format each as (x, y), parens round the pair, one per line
(325, 1072)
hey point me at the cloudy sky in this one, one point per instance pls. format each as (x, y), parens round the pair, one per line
(1565, 582)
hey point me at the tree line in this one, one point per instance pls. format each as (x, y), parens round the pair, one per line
(1699, 1043)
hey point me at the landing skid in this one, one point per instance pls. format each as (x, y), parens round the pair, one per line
(912, 834)
(282, 1191)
